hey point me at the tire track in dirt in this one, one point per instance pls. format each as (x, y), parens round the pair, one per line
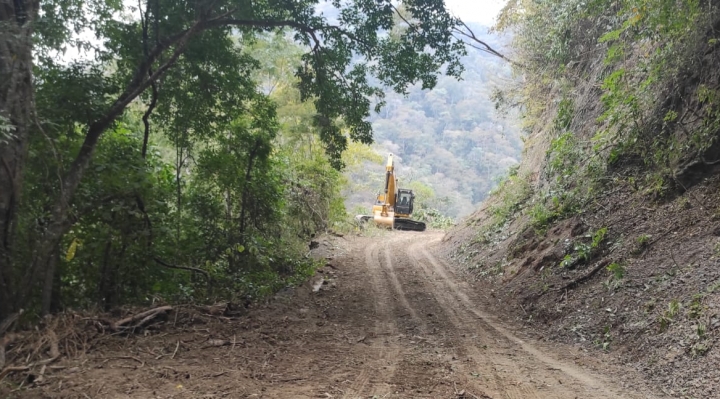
(383, 320)
(390, 305)
(503, 337)
(422, 370)
(465, 348)
(530, 359)
(397, 287)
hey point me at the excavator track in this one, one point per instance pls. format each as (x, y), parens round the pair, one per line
(407, 224)
(400, 224)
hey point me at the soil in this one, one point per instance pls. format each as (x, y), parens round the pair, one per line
(388, 317)
(660, 316)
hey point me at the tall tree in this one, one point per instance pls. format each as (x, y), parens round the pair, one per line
(17, 20)
(186, 42)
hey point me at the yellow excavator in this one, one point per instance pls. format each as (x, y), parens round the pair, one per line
(393, 206)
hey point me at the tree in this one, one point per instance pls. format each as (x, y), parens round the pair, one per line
(178, 55)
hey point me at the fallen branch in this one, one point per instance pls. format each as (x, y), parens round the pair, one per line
(143, 318)
(54, 355)
(188, 268)
(176, 349)
(7, 323)
(465, 31)
(54, 350)
(583, 278)
(9, 370)
(4, 342)
(142, 363)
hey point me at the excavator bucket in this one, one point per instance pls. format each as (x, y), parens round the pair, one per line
(387, 220)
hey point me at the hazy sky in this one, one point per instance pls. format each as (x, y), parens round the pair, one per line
(481, 11)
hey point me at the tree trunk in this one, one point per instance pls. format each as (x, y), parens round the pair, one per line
(16, 111)
(50, 282)
(106, 277)
(59, 221)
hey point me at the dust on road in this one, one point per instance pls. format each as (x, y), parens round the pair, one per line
(392, 321)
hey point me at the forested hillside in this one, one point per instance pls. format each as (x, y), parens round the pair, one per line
(195, 148)
(607, 234)
(452, 144)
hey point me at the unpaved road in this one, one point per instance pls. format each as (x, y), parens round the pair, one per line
(393, 321)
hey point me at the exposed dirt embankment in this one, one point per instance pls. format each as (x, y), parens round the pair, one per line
(658, 309)
(607, 235)
(617, 255)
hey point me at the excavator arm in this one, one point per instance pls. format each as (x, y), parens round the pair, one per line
(394, 205)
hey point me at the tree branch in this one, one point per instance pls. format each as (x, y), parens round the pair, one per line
(191, 269)
(153, 102)
(468, 33)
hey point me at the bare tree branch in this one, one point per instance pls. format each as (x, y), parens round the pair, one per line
(468, 33)
(188, 268)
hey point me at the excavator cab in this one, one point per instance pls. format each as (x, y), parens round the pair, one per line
(404, 202)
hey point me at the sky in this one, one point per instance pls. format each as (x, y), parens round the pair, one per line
(480, 11)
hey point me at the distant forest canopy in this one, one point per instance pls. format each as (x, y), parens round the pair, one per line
(193, 154)
(451, 143)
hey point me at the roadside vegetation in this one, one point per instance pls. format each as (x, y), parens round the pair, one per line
(607, 231)
(188, 153)
(628, 92)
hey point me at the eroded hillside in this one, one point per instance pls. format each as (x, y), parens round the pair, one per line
(608, 233)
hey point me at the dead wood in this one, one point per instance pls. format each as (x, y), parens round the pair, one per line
(8, 322)
(213, 343)
(54, 350)
(583, 278)
(188, 268)
(9, 370)
(6, 340)
(54, 355)
(218, 309)
(142, 363)
(143, 318)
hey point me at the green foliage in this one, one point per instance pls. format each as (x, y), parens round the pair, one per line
(511, 194)
(641, 243)
(192, 136)
(450, 139)
(643, 240)
(695, 308)
(630, 90)
(605, 341)
(598, 237)
(651, 83)
(617, 270)
(583, 251)
(541, 217)
(506, 201)
(433, 218)
(669, 314)
(236, 196)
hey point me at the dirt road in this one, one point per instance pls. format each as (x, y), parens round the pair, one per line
(392, 320)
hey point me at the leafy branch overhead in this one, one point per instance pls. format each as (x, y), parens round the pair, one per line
(340, 54)
(189, 69)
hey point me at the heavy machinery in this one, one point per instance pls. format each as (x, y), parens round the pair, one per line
(393, 206)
